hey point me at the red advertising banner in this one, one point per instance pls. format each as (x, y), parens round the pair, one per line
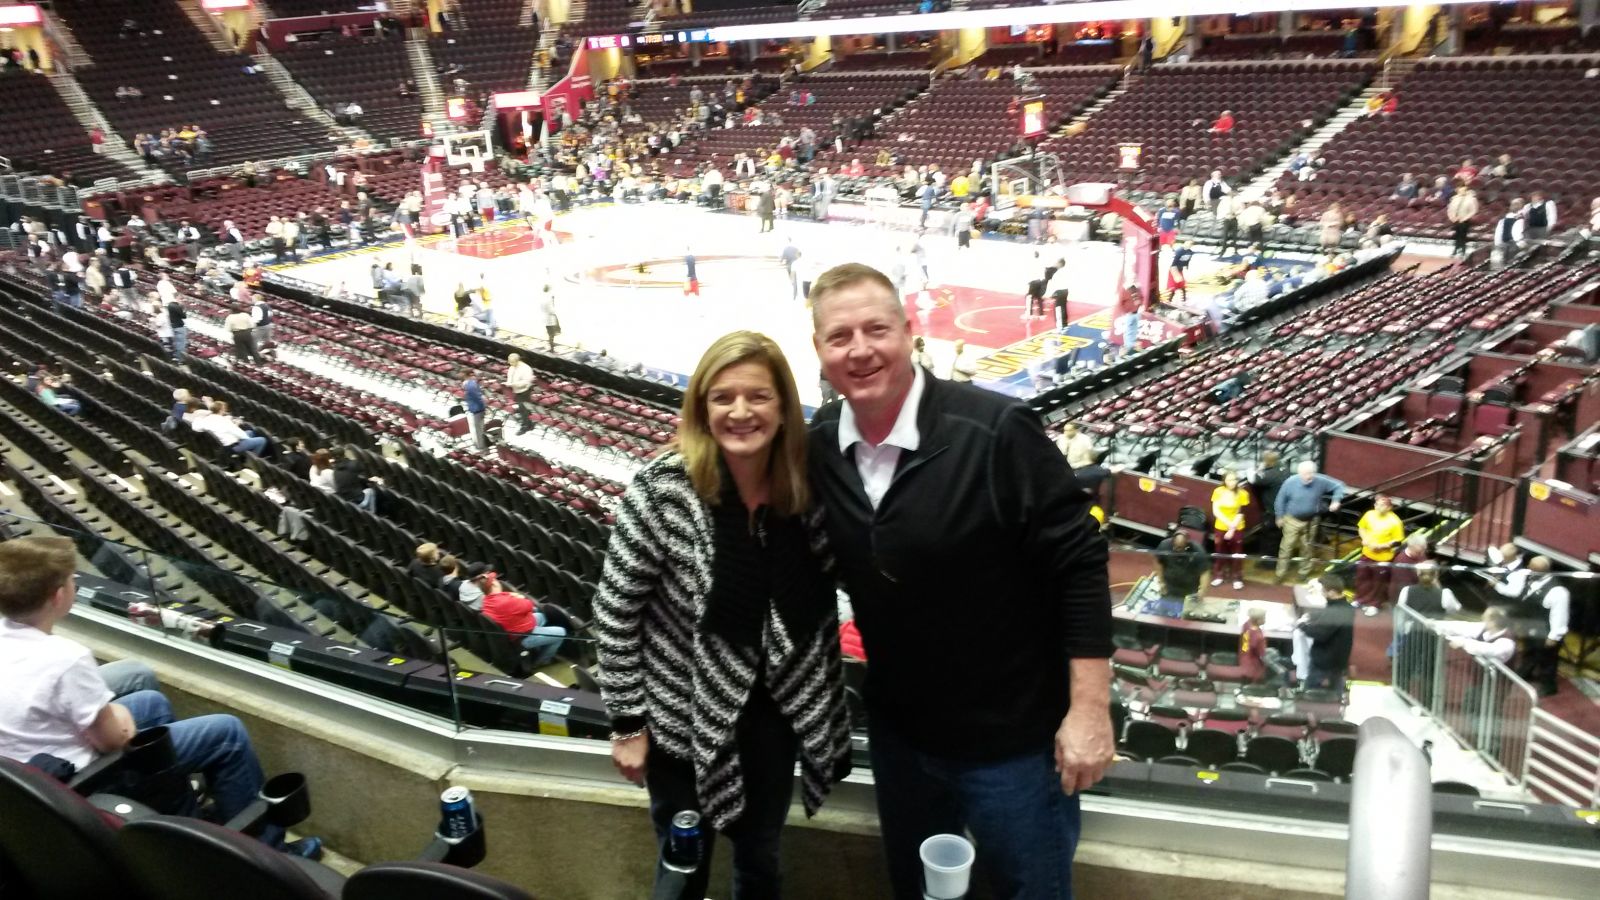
(568, 94)
(433, 193)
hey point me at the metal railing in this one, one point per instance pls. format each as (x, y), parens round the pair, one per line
(1389, 854)
(1563, 762)
(1485, 706)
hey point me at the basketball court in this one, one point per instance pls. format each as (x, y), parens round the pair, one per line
(619, 275)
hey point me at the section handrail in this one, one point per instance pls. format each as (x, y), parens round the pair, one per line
(1388, 856)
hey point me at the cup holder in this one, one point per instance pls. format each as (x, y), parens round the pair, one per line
(288, 801)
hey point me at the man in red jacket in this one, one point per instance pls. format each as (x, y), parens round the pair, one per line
(521, 619)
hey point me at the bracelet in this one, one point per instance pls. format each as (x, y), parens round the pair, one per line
(619, 738)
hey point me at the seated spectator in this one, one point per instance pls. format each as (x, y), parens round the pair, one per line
(1253, 645)
(297, 460)
(43, 385)
(351, 482)
(455, 579)
(1407, 189)
(218, 423)
(321, 472)
(1504, 167)
(1224, 123)
(522, 619)
(425, 567)
(57, 701)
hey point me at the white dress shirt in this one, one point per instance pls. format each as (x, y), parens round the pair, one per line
(1497, 645)
(1557, 600)
(877, 465)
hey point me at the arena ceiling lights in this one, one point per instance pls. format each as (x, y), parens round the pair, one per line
(1099, 11)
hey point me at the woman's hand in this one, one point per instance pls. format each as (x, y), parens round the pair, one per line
(629, 756)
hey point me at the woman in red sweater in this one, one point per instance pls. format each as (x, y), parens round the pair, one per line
(521, 618)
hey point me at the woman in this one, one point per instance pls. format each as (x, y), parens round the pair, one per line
(717, 622)
(1227, 507)
(1382, 533)
(322, 471)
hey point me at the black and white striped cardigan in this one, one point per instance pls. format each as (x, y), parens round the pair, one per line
(659, 669)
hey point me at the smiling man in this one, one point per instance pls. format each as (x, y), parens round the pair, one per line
(947, 503)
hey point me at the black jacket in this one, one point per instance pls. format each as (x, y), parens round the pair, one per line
(349, 480)
(1333, 633)
(982, 548)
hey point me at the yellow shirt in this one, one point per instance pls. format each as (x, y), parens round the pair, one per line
(1380, 530)
(959, 186)
(1228, 505)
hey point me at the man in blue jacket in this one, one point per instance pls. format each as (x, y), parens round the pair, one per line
(472, 396)
(940, 497)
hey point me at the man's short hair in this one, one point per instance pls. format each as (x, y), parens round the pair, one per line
(32, 569)
(844, 276)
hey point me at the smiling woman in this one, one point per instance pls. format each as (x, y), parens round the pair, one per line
(719, 636)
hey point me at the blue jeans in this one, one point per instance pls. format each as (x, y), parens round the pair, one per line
(253, 444)
(180, 343)
(126, 676)
(1025, 828)
(216, 746)
(543, 642)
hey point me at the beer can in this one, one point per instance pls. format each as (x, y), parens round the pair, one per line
(683, 841)
(457, 817)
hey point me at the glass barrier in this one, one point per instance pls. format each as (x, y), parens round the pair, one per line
(1232, 688)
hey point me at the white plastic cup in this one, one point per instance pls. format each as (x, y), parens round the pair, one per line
(946, 866)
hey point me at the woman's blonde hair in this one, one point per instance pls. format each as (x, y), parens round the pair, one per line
(702, 456)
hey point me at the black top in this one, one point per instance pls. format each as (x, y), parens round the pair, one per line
(421, 571)
(1267, 482)
(176, 314)
(349, 480)
(1333, 633)
(1182, 569)
(298, 463)
(984, 534)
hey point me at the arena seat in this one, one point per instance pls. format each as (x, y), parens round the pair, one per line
(427, 881)
(1451, 110)
(1337, 757)
(1274, 754)
(494, 51)
(1211, 746)
(42, 136)
(56, 843)
(339, 71)
(188, 859)
(184, 81)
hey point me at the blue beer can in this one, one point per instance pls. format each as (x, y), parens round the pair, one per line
(683, 841)
(457, 817)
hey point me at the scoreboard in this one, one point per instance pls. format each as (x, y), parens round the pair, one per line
(652, 39)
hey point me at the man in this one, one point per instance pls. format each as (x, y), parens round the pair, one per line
(822, 191)
(790, 256)
(1542, 611)
(1226, 209)
(1407, 189)
(240, 325)
(937, 494)
(1540, 216)
(1296, 508)
(472, 397)
(233, 240)
(1489, 638)
(548, 314)
(1181, 567)
(1510, 230)
(261, 321)
(1215, 188)
(1332, 631)
(58, 702)
(217, 422)
(274, 233)
(165, 289)
(519, 378)
(1077, 447)
(177, 317)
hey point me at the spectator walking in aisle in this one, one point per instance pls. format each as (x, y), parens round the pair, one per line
(59, 702)
(1540, 216)
(233, 241)
(1381, 532)
(519, 380)
(127, 285)
(1228, 501)
(292, 237)
(1542, 612)
(1331, 631)
(242, 328)
(261, 322)
(1297, 506)
(472, 399)
(1461, 210)
(1228, 215)
(274, 233)
(1403, 570)
(905, 465)
(701, 603)
(178, 318)
(189, 239)
(157, 319)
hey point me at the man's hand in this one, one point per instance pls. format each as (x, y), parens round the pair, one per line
(1085, 747)
(1334, 506)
